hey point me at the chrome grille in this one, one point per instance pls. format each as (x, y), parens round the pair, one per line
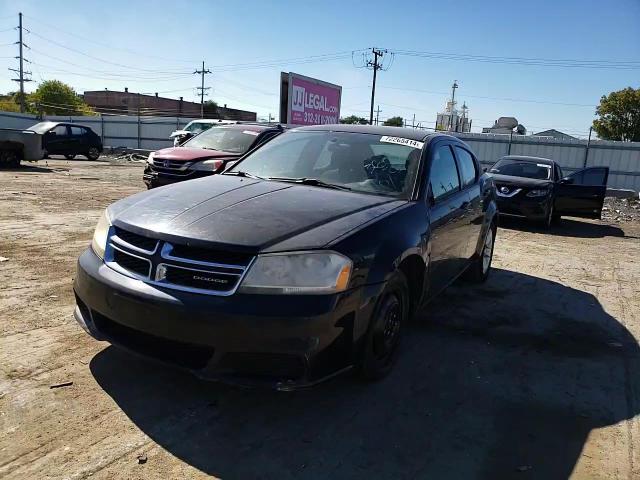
(178, 267)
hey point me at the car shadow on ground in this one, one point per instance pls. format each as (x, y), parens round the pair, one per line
(565, 227)
(504, 380)
(32, 168)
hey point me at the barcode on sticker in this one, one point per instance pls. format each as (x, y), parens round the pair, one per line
(251, 132)
(402, 141)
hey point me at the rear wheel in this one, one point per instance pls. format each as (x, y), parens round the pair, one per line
(479, 270)
(9, 158)
(69, 156)
(93, 153)
(381, 343)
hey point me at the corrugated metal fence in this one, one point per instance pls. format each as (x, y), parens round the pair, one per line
(149, 133)
(623, 158)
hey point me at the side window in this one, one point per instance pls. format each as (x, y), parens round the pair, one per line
(60, 131)
(467, 166)
(590, 176)
(77, 131)
(444, 173)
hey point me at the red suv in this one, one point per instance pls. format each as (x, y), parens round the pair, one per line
(207, 153)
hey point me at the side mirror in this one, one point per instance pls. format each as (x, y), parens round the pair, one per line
(566, 181)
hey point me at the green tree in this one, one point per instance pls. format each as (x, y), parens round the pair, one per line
(619, 116)
(9, 102)
(354, 120)
(394, 122)
(54, 97)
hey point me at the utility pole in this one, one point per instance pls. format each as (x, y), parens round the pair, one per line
(377, 115)
(21, 73)
(453, 103)
(202, 87)
(375, 65)
(413, 122)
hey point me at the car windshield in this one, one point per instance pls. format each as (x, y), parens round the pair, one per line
(197, 127)
(231, 140)
(514, 167)
(360, 162)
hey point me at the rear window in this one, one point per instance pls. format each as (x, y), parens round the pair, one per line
(514, 167)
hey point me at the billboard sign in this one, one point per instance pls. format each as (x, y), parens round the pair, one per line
(308, 101)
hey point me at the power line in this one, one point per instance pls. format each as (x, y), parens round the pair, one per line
(111, 47)
(545, 62)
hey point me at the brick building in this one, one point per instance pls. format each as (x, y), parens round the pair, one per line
(128, 103)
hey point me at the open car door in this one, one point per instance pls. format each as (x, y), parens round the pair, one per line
(581, 194)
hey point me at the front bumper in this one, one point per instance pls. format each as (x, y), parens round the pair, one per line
(153, 179)
(283, 342)
(533, 208)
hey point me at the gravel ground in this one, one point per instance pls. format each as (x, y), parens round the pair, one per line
(535, 374)
(621, 209)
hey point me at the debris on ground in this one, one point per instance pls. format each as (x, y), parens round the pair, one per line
(60, 385)
(3, 259)
(621, 209)
(142, 458)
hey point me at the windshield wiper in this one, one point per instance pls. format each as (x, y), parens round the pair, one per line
(239, 173)
(309, 181)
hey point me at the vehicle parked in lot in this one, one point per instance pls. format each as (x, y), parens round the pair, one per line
(195, 127)
(69, 139)
(206, 154)
(48, 138)
(303, 260)
(535, 188)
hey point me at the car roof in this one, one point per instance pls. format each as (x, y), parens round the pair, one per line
(527, 158)
(254, 127)
(48, 125)
(410, 133)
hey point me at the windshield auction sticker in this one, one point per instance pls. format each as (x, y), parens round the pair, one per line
(251, 132)
(402, 141)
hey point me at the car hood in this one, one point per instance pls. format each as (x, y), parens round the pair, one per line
(246, 214)
(190, 154)
(519, 181)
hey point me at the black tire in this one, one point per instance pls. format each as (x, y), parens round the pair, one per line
(69, 156)
(381, 343)
(549, 219)
(93, 153)
(481, 267)
(9, 159)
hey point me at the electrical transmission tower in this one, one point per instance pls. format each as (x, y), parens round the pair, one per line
(202, 88)
(20, 71)
(375, 60)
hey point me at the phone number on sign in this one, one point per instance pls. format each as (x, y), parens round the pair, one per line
(317, 119)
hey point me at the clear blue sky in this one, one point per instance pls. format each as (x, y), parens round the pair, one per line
(153, 46)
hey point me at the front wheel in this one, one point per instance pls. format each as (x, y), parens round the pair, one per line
(380, 349)
(93, 153)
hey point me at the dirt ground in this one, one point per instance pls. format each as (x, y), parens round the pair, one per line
(535, 374)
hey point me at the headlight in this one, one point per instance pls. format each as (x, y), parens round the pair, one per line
(538, 192)
(208, 165)
(310, 273)
(99, 242)
(150, 158)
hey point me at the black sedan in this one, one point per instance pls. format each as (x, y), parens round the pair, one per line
(536, 189)
(307, 258)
